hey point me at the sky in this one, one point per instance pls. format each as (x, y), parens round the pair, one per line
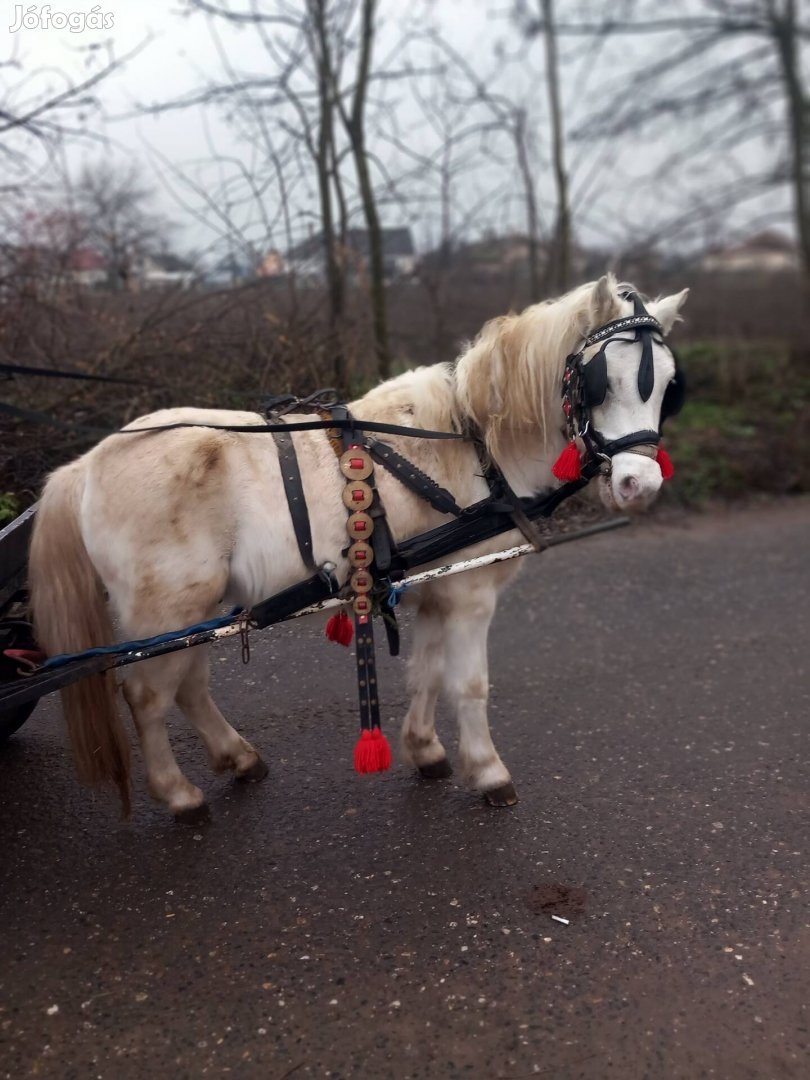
(180, 54)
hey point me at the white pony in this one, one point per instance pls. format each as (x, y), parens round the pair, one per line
(168, 525)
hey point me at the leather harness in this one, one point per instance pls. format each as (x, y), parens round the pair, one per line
(378, 546)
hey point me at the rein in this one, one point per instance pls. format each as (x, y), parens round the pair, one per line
(351, 424)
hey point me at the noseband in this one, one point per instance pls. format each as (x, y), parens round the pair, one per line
(585, 385)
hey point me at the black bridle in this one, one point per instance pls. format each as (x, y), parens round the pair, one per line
(585, 386)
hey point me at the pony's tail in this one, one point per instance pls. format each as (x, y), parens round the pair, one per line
(69, 609)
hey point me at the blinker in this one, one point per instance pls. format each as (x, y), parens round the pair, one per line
(646, 369)
(594, 378)
(674, 395)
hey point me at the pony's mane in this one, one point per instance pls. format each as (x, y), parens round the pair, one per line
(510, 376)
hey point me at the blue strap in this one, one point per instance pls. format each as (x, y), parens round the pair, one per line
(395, 594)
(144, 643)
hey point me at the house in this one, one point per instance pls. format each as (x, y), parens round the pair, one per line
(87, 267)
(164, 271)
(50, 268)
(306, 260)
(505, 258)
(231, 269)
(272, 265)
(498, 255)
(768, 252)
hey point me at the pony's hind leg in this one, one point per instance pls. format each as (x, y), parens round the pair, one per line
(466, 683)
(420, 745)
(227, 750)
(167, 596)
(149, 689)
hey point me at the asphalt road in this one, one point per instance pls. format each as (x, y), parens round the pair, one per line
(650, 693)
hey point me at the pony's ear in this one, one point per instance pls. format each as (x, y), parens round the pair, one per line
(604, 303)
(667, 309)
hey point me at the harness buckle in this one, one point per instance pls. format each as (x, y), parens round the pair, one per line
(244, 631)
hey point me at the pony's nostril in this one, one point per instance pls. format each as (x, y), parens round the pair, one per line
(629, 487)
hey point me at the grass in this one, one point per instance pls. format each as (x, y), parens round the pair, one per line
(744, 427)
(9, 508)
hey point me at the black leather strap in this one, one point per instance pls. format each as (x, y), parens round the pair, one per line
(367, 685)
(350, 425)
(501, 492)
(294, 490)
(413, 478)
(641, 318)
(626, 442)
(646, 367)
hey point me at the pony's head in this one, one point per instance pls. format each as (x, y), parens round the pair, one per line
(509, 383)
(629, 388)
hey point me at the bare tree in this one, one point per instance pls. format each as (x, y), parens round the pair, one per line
(533, 22)
(311, 94)
(560, 261)
(113, 211)
(325, 155)
(732, 80)
(474, 122)
(354, 119)
(36, 116)
(788, 33)
(521, 140)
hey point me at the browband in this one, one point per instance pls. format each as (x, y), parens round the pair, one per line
(630, 322)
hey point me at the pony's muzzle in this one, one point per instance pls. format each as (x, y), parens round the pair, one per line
(634, 481)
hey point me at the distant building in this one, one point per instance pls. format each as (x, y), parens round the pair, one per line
(767, 252)
(307, 260)
(497, 255)
(163, 272)
(231, 269)
(272, 265)
(87, 267)
(503, 257)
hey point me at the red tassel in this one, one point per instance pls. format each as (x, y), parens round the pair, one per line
(665, 463)
(384, 756)
(372, 752)
(568, 465)
(340, 629)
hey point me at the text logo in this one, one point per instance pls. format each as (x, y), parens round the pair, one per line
(43, 18)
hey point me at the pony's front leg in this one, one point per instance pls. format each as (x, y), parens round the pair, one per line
(466, 683)
(149, 689)
(420, 745)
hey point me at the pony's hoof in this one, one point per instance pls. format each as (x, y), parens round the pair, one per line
(436, 770)
(254, 773)
(193, 815)
(505, 795)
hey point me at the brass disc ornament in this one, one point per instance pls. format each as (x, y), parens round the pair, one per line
(361, 582)
(355, 464)
(359, 526)
(357, 495)
(360, 554)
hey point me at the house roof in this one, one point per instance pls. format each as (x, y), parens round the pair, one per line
(171, 264)
(394, 241)
(86, 258)
(767, 241)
